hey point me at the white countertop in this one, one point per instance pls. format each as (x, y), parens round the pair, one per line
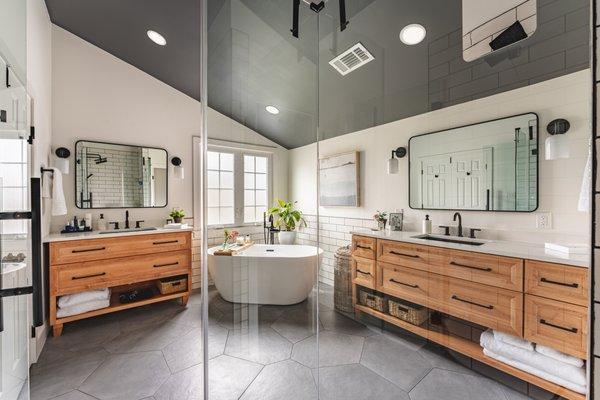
(530, 251)
(63, 237)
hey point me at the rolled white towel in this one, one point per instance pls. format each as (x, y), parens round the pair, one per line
(82, 308)
(558, 355)
(534, 359)
(534, 371)
(514, 340)
(83, 297)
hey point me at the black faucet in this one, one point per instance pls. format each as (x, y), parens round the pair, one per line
(126, 219)
(457, 214)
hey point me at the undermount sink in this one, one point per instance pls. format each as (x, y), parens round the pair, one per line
(449, 240)
(127, 230)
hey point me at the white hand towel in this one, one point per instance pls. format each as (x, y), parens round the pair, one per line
(83, 297)
(536, 360)
(514, 340)
(584, 193)
(558, 355)
(533, 371)
(59, 205)
(46, 186)
(82, 308)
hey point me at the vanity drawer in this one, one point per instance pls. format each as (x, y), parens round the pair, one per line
(488, 269)
(405, 283)
(77, 277)
(557, 281)
(363, 246)
(75, 251)
(363, 272)
(556, 324)
(404, 254)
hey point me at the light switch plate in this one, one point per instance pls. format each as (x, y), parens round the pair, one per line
(543, 220)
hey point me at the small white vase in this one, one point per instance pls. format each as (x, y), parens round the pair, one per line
(286, 237)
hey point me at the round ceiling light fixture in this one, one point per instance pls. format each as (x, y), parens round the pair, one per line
(156, 38)
(272, 109)
(412, 34)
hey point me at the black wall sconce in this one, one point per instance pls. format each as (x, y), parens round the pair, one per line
(392, 165)
(177, 167)
(61, 161)
(557, 144)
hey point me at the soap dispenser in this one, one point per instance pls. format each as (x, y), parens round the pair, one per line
(101, 224)
(426, 225)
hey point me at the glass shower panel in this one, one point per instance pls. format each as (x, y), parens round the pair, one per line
(261, 243)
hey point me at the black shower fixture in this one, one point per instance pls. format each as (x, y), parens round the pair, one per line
(316, 7)
(510, 35)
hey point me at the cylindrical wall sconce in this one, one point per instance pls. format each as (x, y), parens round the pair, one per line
(177, 168)
(392, 164)
(557, 145)
(61, 160)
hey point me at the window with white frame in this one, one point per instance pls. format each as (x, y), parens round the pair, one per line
(238, 186)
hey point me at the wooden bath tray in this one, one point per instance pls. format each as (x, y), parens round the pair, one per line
(233, 250)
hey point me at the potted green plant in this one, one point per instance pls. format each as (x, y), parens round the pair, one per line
(177, 214)
(381, 218)
(286, 217)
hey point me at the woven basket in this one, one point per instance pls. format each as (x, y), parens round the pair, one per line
(342, 280)
(371, 300)
(172, 285)
(409, 312)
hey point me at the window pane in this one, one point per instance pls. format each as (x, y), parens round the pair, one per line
(261, 181)
(212, 160)
(226, 162)
(12, 150)
(259, 213)
(249, 198)
(248, 164)
(249, 215)
(12, 199)
(11, 174)
(227, 180)
(248, 181)
(213, 179)
(261, 164)
(213, 198)
(226, 198)
(213, 216)
(261, 197)
(227, 215)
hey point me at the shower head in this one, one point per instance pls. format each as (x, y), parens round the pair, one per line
(101, 160)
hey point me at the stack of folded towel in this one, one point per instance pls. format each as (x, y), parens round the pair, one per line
(538, 360)
(79, 303)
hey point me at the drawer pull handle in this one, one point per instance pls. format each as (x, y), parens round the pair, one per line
(166, 242)
(86, 250)
(166, 265)
(362, 272)
(455, 297)
(404, 284)
(572, 330)
(484, 269)
(403, 254)
(363, 247)
(88, 276)
(572, 285)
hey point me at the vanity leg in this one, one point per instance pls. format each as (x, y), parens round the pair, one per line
(184, 300)
(57, 330)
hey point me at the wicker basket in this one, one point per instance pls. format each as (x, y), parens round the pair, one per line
(409, 312)
(371, 300)
(342, 285)
(172, 285)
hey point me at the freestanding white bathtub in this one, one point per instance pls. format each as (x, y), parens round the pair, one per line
(266, 274)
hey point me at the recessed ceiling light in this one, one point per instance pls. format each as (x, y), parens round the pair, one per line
(157, 38)
(412, 34)
(272, 109)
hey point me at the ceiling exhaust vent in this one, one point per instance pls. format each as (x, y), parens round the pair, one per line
(353, 58)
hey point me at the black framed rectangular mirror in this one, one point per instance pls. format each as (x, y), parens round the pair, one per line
(488, 166)
(112, 175)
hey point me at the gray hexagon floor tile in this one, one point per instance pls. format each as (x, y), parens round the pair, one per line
(250, 316)
(264, 346)
(86, 334)
(451, 385)
(229, 377)
(334, 321)
(397, 363)
(128, 376)
(334, 349)
(443, 358)
(74, 395)
(186, 351)
(58, 378)
(155, 338)
(284, 380)
(190, 315)
(147, 317)
(356, 382)
(296, 323)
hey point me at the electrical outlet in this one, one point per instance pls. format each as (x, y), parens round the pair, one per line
(543, 220)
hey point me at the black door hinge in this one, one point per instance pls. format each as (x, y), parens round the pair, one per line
(7, 77)
(31, 135)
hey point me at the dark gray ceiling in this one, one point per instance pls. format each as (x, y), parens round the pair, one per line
(254, 61)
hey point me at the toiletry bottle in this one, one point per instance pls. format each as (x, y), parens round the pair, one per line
(88, 220)
(426, 225)
(75, 223)
(101, 224)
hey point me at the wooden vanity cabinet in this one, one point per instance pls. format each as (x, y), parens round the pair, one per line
(120, 263)
(543, 302)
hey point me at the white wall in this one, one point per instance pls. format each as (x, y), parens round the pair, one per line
(565, 97)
